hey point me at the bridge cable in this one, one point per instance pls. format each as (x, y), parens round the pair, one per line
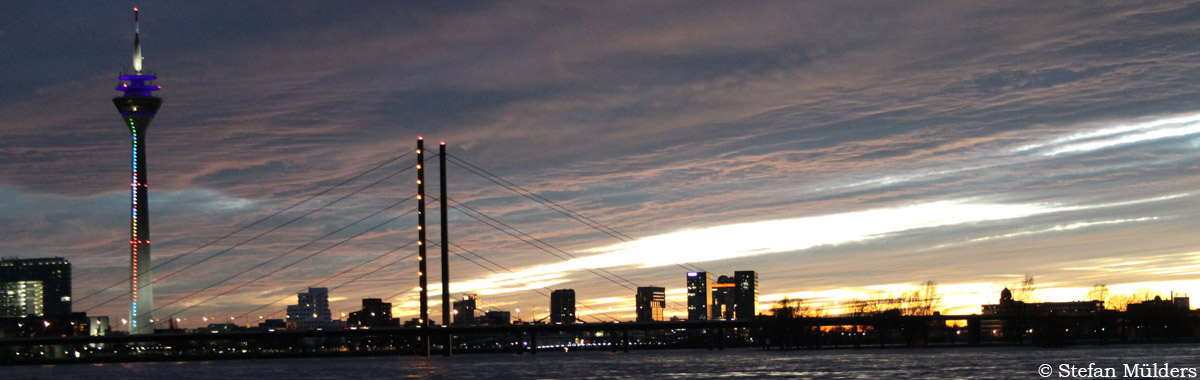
(460, 248)
(590, 270)
(244, 228)
(531, 243)
(434, 244)
(517, 189)
(337, 275)
(285, 254)
(273, 229)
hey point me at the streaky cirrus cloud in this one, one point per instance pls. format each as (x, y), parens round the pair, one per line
(1031, 138)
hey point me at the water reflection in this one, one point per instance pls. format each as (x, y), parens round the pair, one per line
(965, 363)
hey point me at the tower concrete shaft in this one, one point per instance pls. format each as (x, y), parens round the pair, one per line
(138, 107)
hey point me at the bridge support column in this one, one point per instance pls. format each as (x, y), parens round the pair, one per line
(858, 336)
(612, 340)
(426, 347)
(533, 342)
(449, 349)
(625, 340)
(974, 331)
(925, 334)
(709, 334)
(422, 274)
(518, 342)
(720, 339)
(818, 335)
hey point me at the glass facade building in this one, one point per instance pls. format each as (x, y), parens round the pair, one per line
(39, 287)
(699, 296)
(650, 302)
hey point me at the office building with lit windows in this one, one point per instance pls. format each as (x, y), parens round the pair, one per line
(650, 302)
(38, 287)
(311, 310)
(745, 294)
(496, 318)
(464, 310)
(728, 298)
(562, 306)
(374, 313)
(21, 298)
(723, 298)
(699, 296)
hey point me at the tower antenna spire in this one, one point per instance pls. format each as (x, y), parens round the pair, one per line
(137, 43)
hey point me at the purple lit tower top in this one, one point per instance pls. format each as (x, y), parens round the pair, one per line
(137, 107)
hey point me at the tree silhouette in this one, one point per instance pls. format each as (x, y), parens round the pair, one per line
(1026, 292)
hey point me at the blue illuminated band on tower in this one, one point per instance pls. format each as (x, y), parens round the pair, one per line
(138, 107)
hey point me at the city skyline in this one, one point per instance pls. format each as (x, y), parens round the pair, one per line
(837, 149)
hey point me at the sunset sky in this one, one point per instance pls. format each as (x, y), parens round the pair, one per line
(837, 148)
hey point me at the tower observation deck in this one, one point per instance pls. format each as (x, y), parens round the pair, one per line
(138, 107)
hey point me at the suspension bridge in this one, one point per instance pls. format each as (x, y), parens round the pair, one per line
(268, 266)
(602, 330)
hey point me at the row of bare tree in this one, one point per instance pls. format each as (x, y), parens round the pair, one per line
(1026, 292)
(1112, 301)
(921, 300)
(924, 299)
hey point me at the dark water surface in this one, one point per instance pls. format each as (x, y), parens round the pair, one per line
(965, 363)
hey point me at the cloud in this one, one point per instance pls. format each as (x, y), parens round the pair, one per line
(944, 156)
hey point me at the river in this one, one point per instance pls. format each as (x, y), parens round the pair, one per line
(959, 362)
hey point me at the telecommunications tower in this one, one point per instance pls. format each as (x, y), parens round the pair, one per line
(137, 107)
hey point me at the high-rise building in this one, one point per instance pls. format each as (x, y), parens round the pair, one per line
(723, 300)
(699, 288)
(138, 107)
(562, 306)
(21, 298)
(650, 302)
(497, 318)
(374, 313)
(464, 311)
(97, 326)
(1183, 302)
(40, 287)
(745, 297)
(311, 310)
